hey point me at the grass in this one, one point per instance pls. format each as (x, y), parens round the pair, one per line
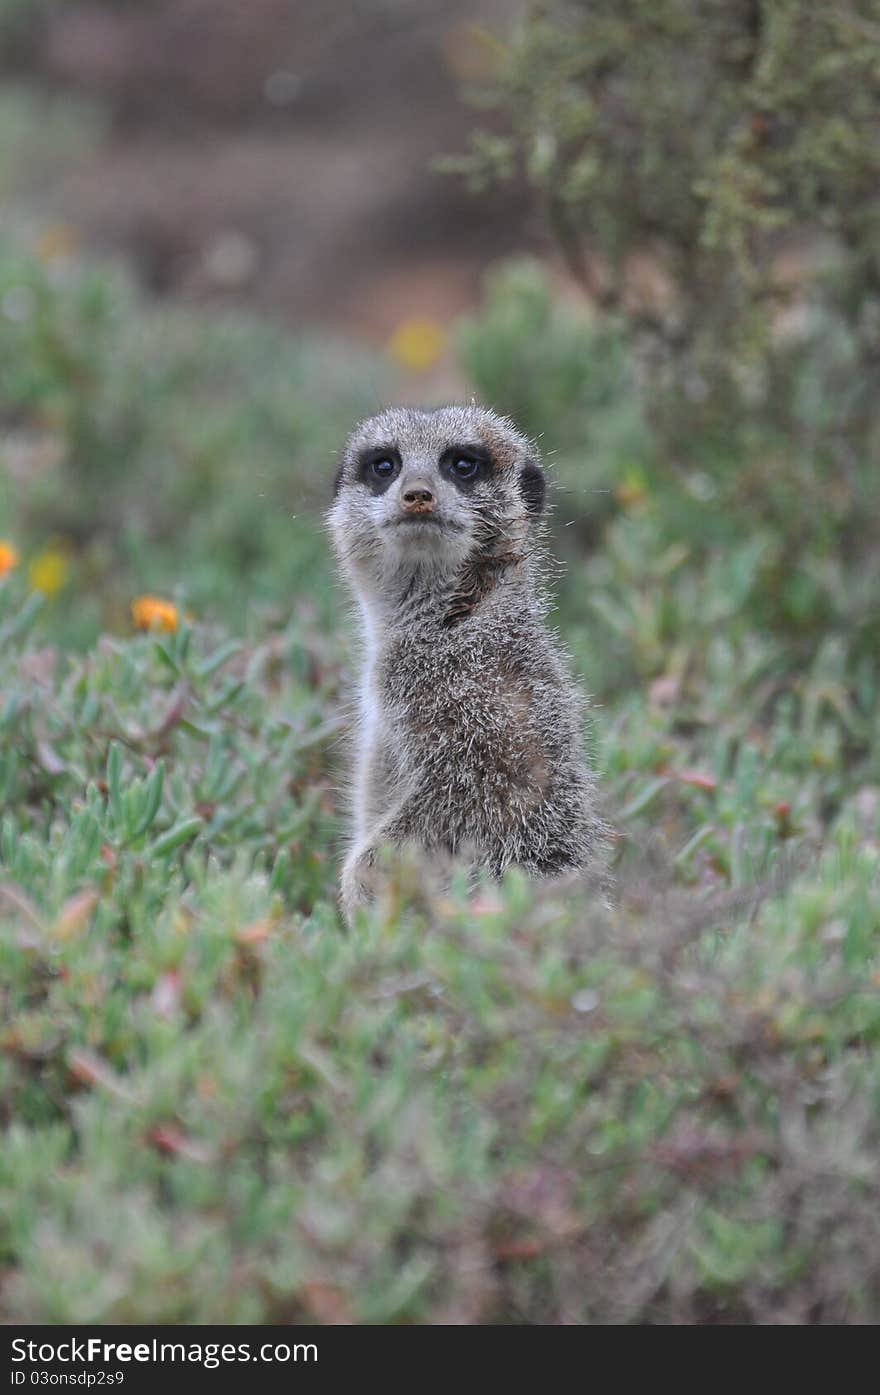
(215, 1104)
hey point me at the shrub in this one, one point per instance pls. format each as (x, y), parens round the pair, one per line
(215, 1105)
(710, 172)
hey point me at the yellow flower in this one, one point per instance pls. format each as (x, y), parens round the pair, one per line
(152, 613)
(632, 490)
(8, 557)
(417, 344)
(48, 572)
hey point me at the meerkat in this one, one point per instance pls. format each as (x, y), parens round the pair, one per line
(469, 734)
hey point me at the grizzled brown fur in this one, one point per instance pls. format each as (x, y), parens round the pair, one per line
(470, 728)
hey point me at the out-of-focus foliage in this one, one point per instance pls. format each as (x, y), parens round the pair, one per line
(217, 1105)
(42, 134)
(711, 172)
(556, 371)
(767, 540)
(16, 17)
(196, 456)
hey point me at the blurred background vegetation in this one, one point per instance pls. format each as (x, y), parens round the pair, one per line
(649, 232)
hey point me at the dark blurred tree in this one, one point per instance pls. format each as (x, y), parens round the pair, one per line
(711, 169)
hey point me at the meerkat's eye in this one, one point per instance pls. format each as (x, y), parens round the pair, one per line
(465, 464)
(383, 469)
(378, 468)
(465, 467)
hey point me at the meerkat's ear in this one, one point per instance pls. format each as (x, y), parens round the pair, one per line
(337, 478)
(533, 486)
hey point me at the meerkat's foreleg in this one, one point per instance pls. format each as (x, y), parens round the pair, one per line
(359, 881)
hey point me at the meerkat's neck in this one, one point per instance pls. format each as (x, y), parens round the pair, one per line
(422, 601)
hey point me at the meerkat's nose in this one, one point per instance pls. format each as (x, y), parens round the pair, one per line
(417, 497)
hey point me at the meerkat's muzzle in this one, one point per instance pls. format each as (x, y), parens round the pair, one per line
(417, 497)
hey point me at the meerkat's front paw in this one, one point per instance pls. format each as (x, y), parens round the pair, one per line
(357, 885)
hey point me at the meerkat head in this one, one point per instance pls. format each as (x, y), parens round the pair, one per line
(434, 491)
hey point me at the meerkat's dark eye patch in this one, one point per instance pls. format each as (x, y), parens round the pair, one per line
(465, 465)
(533, 486)
(378, 467)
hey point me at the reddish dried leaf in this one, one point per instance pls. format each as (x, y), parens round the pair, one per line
(172, 714)
(91, 1069)
(76, 912)
(254, 934)
(523, 1247)
(166, 995)
(697, 778)
(326, 1302)
(171, 1139)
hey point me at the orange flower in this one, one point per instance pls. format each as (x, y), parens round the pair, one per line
(152, 613)
(8, 557)
(57, 242)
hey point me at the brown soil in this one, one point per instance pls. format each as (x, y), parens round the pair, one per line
(278, 152)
